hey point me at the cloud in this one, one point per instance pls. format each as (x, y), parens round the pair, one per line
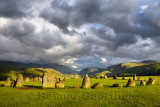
(79, 33)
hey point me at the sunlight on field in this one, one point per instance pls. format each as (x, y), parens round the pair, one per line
(35, 96)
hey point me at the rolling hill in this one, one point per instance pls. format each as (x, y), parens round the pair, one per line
(139, 68)
(61, 68)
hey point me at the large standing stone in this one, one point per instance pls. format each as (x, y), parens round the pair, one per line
(27, 80)
(48, 80)
(7, 82)
(35, 79)
(60, 85)
(39, 79)
(105, 76)
(134, 77)
(114, 76)
(97, 85)
(117, 85)
(151, 81)
(19, 80)
(131, 83)
(76, 76)
(142, 83)
(86, 82)
(139, 79)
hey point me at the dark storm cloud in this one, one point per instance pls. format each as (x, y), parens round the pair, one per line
(110, 13)
(14, 8)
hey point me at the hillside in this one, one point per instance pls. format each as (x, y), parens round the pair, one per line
(61, 68)
(91, 71)
(139, 68)
(12, 72)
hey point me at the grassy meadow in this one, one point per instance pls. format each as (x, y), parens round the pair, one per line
(32, 94)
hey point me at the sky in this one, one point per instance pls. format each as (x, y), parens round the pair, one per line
(80, 33)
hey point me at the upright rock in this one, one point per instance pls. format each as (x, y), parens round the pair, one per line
(139, 79)
(27, 80)
(35, 79)
(151, 81)
(105, 76)
(101, 77)
(7, 82)
(134, 77)
(48, 80)
(114, 76)
(86, 75)
(76, 76)
(60, 85)
(39, 79)
(86, 82)
(131, 83)
(142, 83)
(19, 81)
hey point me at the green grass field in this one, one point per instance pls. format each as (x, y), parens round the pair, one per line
(32, 95)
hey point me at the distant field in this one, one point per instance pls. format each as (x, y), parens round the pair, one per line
(32, 95)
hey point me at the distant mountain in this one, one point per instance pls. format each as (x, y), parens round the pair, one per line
(91, 71)
(61, 68)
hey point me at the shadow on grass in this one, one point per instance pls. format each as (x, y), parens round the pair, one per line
(1, 85)
(32, 86)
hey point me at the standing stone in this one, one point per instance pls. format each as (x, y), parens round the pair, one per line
(86, 75)
(151, 81)
(123, 78)
(48, 80)
(13, 83)
(19, 80)
(114, 76)
(139, 79)
(60, 85)
(7, 82)
(142, 83)
(86, 82)
(97, 85)
(134, 77)
(131, 83)
(39, 79)
(35, 79)
(76, 76)
(105, 76)
(27, 80)
(101, 77)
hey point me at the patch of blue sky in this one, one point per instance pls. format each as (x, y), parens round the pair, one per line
(95, 25)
